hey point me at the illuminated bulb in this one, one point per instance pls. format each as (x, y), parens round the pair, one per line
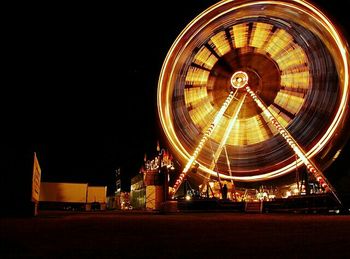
(209, 131)
(289, 139)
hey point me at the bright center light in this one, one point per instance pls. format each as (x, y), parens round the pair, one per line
(239, 79)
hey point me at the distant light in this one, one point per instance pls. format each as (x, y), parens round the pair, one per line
(334, 211)
(188, 197)
(336, 154)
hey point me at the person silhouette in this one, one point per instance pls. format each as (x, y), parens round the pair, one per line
(224, 192)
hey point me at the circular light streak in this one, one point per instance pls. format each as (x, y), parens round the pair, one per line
(324, 29)
(239, 79)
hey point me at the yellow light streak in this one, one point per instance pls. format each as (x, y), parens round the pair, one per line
(279, 116)
(291, 58)
(168, 73)
(294, 145)
(255, 132)
(278, 42)
(221, 44)
(240, 34)
(260, 33)
(196, 94)
(205, 58)
(295, 79)
(202, 113)
(227, 132)
(289, 102)
(203, 140)
(236, 139)
(197, 77)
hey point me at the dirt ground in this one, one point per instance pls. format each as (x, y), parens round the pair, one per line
(115, 234)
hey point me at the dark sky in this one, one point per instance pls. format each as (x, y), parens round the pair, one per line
(83, 80)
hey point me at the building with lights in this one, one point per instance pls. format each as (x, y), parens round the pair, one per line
(150, 188)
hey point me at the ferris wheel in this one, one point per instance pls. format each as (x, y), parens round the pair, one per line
(252, 90)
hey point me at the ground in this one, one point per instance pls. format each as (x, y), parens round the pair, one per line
(116, 234)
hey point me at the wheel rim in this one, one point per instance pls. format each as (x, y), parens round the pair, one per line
(292, 62)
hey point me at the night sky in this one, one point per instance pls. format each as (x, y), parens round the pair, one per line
(83, 80)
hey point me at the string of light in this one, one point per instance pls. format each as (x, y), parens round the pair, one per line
(293, 144)
(203, 141)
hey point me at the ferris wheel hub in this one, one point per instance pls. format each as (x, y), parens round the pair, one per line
(239, 79)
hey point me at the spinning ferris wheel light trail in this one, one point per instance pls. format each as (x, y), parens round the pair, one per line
(227, 132)
(294, 145)
(203, 140)
(296, 103)
(238, 81)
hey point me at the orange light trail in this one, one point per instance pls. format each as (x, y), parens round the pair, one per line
(179, 47)
(294, 145)
(227, 132)
(203, 140)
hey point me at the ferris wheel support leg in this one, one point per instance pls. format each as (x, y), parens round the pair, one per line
(230, 172)
(224, 140)
(312, 168)
(227, 132)
(204, 139)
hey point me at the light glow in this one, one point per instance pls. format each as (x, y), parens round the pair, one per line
(203, 140)
(294, 145)
(220, 43)
(205, 58)
(297, 81)
(240, 34)
(259, 34)
(227, 132)
(278, 43)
